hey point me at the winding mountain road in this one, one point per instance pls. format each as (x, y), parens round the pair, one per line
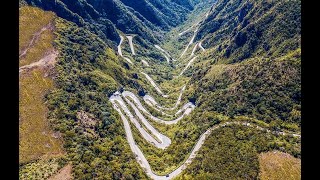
(194, 49)
(190, 42)
(152, 135)
(145, 63)
(187, 30)
(152, 102)
(120, 50)
(165, 53)
(189, 63)
(165, 141)
(187, 109)
(201, 47)
(119, 46)
(154, 85)
(127, 59)
(131, 44)
(193, 37)
(161, 140)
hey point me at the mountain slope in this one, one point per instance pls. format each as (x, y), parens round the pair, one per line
(264, 78)
(83, 16)
(147, 18)
(87, 72)
(186, 3)
(267, 89)
(36, 138)
(164, 14)
(239, 29)
(41, 152)
(86, 67)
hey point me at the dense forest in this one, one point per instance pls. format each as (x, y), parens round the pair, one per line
(243, 29)
(87, 73)
(266, 89)
(231, 153)
(148, 19)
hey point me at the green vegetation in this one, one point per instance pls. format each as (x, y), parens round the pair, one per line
(231, 153)
(186, 133)
(88, 71)
(32, 39)
(237, 30)
(266, 89)
(41, 169)
(102, 17)
(250, 71)
(164, 14)
(175, 43)
(35, 135)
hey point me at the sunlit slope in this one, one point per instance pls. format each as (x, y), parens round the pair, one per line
(36, 138)
(276, 165)
(237, 30)
(268, 89)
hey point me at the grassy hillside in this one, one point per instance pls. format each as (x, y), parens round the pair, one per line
(278, 165)
(35, 135)
(35, 34)
(64, 173)
(36, 138)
